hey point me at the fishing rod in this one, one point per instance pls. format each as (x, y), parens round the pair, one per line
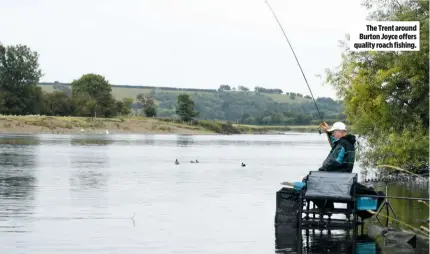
(392, 197)
(285, 35)
(419, 230)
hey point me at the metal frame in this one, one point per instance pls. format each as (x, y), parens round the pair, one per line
(305, 222)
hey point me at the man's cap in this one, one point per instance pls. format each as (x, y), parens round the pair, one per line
(338, 126)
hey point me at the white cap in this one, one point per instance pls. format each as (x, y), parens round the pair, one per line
(338, 126)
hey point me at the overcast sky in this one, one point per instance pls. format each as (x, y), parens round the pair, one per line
(183, 43)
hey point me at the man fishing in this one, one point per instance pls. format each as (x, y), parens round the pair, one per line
(342, 155)
(341, 159)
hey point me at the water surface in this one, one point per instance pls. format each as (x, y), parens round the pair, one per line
(77, 193)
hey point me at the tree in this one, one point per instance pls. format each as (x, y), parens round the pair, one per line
(58, 103)
(223, 88)
(19, 74)
(125, 106)
(93, 84)
(63, 88)
(185, 108)
(386, 94)
(243, 88)
(96, 88)
(150, 109)
(148, 103)
(84, 105)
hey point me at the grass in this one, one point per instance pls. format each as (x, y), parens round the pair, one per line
(136, 124)
(123, 92)
(282, 98)
(52, 122)
(267, 129)
(229, 128)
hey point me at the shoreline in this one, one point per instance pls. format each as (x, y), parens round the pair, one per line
(132, 125)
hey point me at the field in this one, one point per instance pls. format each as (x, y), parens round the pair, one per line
(120, 93)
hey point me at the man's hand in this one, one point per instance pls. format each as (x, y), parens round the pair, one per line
(324, 126)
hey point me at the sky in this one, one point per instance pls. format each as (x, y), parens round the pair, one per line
(184, 43)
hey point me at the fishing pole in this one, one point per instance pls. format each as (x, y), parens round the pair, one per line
(285, 35)
(392, 197)
(425, 234)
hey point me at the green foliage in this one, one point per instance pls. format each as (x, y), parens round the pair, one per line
(251, 108)
(259, 89)
(148, 103)
(92, 84)
(58, 103)
(219, 127)
(243, 88)
(19, 94)
(223, 88)
(19, 75)
(84, 105)
(386, 94)
(94, 94)
(124, 106)
(185, 108)
(235, 106)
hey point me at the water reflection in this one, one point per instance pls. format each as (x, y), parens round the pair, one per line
(411, 212)
(291, 240)
(149, 140)
(18, 160)
(19, 140)
(172, 140)
(88, 141)
(184, 140)
(89, 173)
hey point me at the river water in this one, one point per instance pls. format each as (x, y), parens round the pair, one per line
(78, 193)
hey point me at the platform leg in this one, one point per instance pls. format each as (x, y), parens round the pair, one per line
(307, 208)
(313, 208)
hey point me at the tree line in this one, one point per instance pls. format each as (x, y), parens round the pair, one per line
(255, 109)
(91, 96)
(222, 88)
(88, 96)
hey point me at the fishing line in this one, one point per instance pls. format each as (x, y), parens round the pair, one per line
(285, 35)
(376, 196)
(401, 169)
(401, 222)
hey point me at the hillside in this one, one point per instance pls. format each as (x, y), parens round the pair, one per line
(238, 106)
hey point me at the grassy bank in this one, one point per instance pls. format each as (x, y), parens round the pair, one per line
(60, 125)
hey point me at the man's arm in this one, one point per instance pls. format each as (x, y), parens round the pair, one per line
(335, 160)
(330, 139)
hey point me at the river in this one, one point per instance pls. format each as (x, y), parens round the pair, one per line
(78, 193)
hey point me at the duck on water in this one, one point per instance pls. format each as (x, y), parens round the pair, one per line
(177, 162)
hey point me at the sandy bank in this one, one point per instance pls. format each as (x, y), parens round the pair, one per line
(70, 125)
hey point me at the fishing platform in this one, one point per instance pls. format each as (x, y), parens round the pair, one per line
(322, 189)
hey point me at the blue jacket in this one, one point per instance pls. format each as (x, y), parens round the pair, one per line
(342, 155)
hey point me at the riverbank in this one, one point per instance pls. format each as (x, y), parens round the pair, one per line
(136, 125)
